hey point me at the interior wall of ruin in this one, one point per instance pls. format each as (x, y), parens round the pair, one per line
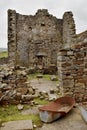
(40, 33)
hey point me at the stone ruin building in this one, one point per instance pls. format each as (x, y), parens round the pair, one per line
(34, 41)
(42, 39)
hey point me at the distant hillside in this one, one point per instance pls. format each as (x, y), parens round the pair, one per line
(3, 49)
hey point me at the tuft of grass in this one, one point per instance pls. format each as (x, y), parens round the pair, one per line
(40, 101)
(11, 113)
(8, 113)
(32, 76)
(3, 54)
(46, 76)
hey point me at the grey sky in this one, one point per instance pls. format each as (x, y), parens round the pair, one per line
(55, 7)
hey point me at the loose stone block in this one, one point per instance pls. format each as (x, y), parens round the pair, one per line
(70, 53)
(18, 125)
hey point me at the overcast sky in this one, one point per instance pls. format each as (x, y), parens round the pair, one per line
(55, 7)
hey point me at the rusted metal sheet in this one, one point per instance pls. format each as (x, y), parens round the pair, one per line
(56, 109)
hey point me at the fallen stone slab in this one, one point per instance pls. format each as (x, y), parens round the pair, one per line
(18, 125)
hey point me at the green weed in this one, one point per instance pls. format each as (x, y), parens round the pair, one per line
(40, 101)
(11, 113)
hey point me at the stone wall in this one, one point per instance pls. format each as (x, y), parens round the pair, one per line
(72, 71)
(38, 38)
(35, 40)
(80, 37)
(69, 31)
(12, 36)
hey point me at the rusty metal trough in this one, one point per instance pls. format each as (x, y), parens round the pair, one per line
(56, 109)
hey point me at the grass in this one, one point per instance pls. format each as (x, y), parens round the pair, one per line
(47, 76)
(40, 101)
(11, 113)
(33, 76)
(3, 54)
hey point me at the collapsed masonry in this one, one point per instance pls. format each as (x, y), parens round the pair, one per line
(15, 87)
(36, 41)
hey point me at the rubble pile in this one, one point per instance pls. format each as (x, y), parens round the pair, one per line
(15, 87)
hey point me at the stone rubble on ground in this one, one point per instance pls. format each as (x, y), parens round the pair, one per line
(15, 87)
(53, 78)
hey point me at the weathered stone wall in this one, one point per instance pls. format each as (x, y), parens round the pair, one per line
(12, 36)
(72, 66)
(72, 61)
(36, 36)
(81, 37)
(69, 31)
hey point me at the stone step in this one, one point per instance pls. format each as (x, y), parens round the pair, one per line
(18, 125)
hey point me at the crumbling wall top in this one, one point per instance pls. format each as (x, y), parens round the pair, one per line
(69, 30)
(42, 12)
(68, 13)
(11, 11)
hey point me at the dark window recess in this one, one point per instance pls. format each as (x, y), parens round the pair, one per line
(84, 53)
(11, 18)
(30, 28)
(42, 24)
